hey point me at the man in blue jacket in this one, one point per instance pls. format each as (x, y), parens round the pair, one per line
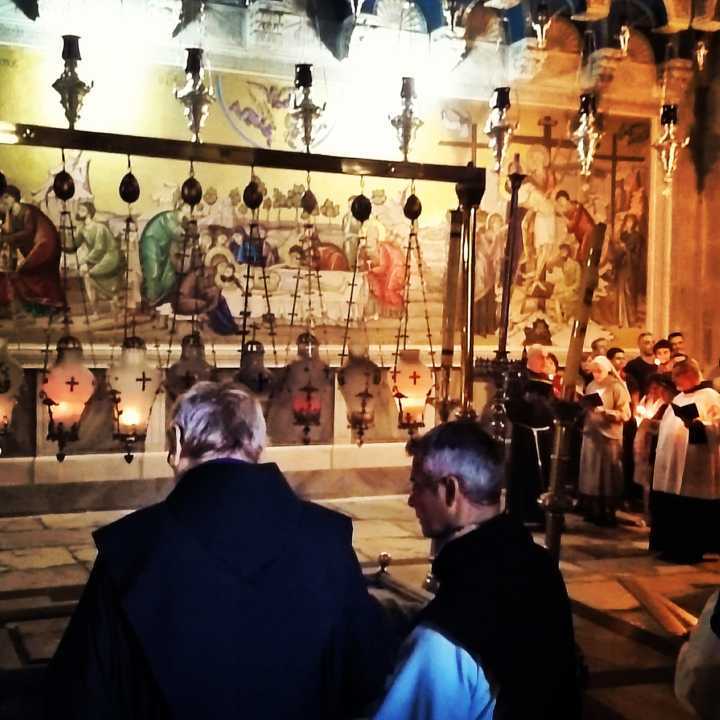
(233, 598)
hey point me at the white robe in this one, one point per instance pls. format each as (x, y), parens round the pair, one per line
(684, 469)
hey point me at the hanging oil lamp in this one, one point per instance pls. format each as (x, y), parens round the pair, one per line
(134, 383)
(69, 86)
(65, 392)
(306, 400)
(412, 381)
(253, 373)
(407, 123)
(253, 256)
(305, 113)
(192, 367)
(359, 380)
(412, 385)
(668, 145)
(197, 94)
(498, 127)
(541, 23)
(11, 380)
(587, 135)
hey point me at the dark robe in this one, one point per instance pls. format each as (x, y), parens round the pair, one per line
(37, 281)
(230, 599)
(503, 599)
(531, 411)
(641, 372)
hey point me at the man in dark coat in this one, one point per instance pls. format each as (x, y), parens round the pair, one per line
(530, 409)
(233, 598)
(497, 640)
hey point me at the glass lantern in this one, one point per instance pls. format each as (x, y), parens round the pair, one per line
(65, 392)
(11, 379)
(192, 367)
(134, 383)
(413, 383)
(359, 380)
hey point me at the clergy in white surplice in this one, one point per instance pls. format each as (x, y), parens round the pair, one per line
(685, 504)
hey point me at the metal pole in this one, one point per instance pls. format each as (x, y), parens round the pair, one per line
(556, 501)
(469, 194)
(516, 180)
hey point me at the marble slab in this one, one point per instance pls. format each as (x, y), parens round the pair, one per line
(35, 558)
(24, 581)
(40, 638)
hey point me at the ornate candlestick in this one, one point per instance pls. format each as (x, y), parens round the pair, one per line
(305, 113)
(668, 145)
(586, 135)
(196, 95)
(69, 86)
(406, 123)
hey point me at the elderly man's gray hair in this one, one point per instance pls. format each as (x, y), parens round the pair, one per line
(219, 420)
(462, 449)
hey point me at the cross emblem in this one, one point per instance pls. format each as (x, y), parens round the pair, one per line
(144, 379)
(71, 383)
(415, 377)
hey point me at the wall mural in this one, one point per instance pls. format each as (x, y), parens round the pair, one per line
(175, 283)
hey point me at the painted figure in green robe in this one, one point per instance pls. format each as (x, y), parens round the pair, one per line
(161, 245)
(101, 261)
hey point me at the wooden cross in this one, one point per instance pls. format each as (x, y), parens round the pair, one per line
(546, 140)
(144, 379)
(415, 377)
(72, 382)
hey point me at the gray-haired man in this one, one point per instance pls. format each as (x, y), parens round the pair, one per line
(232, 598)
(497, 639)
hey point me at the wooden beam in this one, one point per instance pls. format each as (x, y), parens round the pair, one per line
(41, 136)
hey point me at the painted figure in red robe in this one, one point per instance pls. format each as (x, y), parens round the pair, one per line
(36, 282)
(579, 223)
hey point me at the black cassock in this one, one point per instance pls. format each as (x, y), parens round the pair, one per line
(530, 410)
(230, 599)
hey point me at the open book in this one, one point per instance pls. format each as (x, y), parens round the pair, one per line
(687, 413)
(591, 400)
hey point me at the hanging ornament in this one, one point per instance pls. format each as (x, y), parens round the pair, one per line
(69, 86)
(413, 383)
(359, 380)
(64, 185)
(624, 39)
(197, 93)
(11, 380)
(541, 25)
(191, 190)
(305, 113)
(668, 145)
(129, 189)
(192, 367)
(498, 127)
(65, 392)
(701, 53)
(134, 383)
(407, 123)
(586, 135)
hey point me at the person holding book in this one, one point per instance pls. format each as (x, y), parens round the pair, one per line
(649, 412)
(685, 502)
(607, 407)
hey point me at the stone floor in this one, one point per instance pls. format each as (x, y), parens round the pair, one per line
(45, 560)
